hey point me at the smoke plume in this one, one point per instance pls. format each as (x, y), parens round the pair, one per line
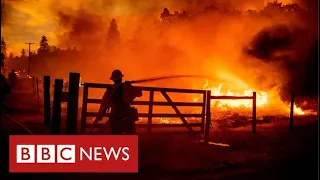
(208, 43)
(267, 49)
(292, 47)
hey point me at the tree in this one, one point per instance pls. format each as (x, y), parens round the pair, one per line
(272, 8)
(292, 7)
(166, 16)
(251, 12)
(274, 5)
(23, 53)
(2, 61)
(53, 49)
(184, 15)
(3, 47)
(11, 56)
(44, 45)
(113, 35)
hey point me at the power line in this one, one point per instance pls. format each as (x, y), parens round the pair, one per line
(29, 43)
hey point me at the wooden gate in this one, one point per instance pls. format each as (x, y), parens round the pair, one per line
(208, 111)
(151, 103)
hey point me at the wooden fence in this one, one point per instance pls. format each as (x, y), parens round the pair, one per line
(71, 97)
(151, 103)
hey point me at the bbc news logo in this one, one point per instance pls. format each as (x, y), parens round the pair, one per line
(74, 153)
(45, 154)
(66, 153)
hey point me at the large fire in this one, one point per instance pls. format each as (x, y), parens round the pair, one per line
(265, 101)
(221, 35)
(262, 100)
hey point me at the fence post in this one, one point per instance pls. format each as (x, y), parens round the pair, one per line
(208, 118)
(56, 112)
(66, 86)
(203, 118)
(84, 109)
(38, 98)
(254, 112)
(150, 111)
(72, 109)
(291, 110)
(46, 98)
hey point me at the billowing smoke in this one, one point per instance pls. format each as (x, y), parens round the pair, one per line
(260, 48)
(206, 43)
(83, 28)
(292, 47)
(6, 9)
(82, 22)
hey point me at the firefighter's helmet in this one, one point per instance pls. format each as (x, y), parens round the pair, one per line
(116, 74)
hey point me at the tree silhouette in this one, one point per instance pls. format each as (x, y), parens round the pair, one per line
(23, 53)
(2, 61)
(184, 15)
(113, 35)
(272, 8)
(44, 45)
(3, 47)
(11, 56)
(292, 7)
(53, 49)
(3, 55)
(166, 16)
(274, 5)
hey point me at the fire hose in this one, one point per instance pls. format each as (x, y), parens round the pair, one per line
(105, 105)
(170, 77)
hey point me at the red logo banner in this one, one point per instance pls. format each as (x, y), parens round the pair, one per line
(76, 153)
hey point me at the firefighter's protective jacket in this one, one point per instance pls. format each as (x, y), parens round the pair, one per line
(119, 97)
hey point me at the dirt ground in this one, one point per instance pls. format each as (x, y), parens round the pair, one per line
(274, 152)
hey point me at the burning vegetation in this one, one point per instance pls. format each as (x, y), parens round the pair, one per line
(245, 46)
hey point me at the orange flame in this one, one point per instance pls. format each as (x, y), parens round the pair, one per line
(262, 99)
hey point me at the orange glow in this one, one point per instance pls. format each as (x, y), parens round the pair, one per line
(209, 44)
(33, 18)
(262, 100)
(297, 110)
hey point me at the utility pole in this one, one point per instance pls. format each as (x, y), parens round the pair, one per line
(29, 43)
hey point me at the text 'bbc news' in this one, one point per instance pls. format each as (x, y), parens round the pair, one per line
(88, 154)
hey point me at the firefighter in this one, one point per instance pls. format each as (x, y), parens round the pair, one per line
(120, 98)
(13, 79)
